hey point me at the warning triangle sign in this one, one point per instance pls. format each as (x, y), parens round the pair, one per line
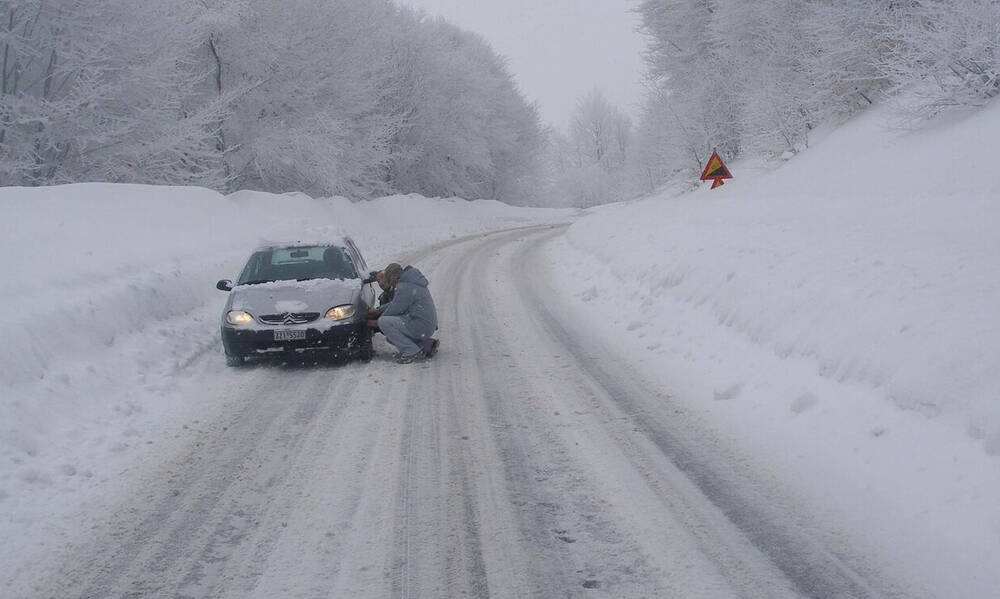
(715, 171)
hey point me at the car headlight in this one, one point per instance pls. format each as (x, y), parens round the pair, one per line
(238, 317)
(340, 312)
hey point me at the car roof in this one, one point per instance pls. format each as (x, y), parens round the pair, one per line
(302, 244)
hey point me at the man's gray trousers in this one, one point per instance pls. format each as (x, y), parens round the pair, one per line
(398, 332)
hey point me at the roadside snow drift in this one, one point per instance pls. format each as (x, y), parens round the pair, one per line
(88, 265)
(839, 314)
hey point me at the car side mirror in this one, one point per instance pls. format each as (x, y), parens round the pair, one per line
(224, 285)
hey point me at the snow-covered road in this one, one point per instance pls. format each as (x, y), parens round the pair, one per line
(525, 460)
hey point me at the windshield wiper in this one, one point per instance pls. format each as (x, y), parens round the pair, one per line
(257, 282)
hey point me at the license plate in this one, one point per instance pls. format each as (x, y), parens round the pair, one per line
(289, 335)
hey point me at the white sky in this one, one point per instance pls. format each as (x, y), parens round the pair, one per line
(558, 50)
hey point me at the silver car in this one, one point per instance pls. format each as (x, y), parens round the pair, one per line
(298, 299)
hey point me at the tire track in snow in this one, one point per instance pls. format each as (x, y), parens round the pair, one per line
(759, 514)
(573, 541)
(209, 499)
(439, 548)
(549, 571)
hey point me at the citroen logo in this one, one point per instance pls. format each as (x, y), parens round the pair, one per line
(288, 318)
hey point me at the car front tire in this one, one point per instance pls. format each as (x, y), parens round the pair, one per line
(235, 361)
(367, 346)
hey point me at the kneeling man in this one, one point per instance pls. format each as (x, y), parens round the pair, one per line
(410, 319)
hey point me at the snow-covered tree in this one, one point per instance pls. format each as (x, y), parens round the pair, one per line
(693, 86)
(305, 74)
(943, 53)
(352, 97)
(590, 164)
(95, 90)
(759, 77)
(845, 40)
(600, 132)
(468, 131)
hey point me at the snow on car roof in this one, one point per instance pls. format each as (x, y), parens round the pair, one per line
(273, 245)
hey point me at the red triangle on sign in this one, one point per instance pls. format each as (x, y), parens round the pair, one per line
(715, 171)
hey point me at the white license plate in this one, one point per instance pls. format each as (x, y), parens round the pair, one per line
(289, 335)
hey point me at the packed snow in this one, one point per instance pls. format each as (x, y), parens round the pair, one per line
(837, 314)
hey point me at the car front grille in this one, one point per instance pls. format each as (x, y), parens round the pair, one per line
(289, 318)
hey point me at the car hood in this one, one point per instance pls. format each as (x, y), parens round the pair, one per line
(279, 297)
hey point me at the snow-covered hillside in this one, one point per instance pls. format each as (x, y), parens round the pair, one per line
(838, 315)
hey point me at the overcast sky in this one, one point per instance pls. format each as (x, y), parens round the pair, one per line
(558, 49)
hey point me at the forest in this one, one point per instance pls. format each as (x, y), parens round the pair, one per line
(364, 98)
(359, 98)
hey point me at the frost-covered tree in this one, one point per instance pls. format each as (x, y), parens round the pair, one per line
(845, 40)
(468, 131)
(693, 92)
(600, 132)
(306, 74)
(590, 164)
(95, 90)
(762, 51)
(943, 53)
(352, 97)
(759, 77)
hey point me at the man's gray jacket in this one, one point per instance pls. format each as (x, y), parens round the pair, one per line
(412, 300)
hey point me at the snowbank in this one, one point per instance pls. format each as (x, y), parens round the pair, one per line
(839, 314)
(86, 265)
(108, 298)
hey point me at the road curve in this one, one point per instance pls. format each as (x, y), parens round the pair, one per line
(525, 460)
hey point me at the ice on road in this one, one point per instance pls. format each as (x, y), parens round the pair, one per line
(524, 460)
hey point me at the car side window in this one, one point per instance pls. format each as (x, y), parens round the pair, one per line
(356, 254)
(254, 267)
(338, 264)
(350, 272)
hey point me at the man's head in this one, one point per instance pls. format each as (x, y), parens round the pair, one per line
(380, 279)
(390, 275)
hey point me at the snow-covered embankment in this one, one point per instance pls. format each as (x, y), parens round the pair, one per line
(838, 316)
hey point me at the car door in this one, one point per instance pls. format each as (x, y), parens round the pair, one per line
(368, 291)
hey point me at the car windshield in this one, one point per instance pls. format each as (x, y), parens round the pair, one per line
(297, 264)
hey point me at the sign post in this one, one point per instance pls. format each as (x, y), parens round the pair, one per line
(716, 171)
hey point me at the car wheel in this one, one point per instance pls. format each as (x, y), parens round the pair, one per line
(367, 347)
(235, 361)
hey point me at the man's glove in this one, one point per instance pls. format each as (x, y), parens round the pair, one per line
(372, 314)
(370, 278)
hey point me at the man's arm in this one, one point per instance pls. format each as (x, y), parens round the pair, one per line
(401, 301)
